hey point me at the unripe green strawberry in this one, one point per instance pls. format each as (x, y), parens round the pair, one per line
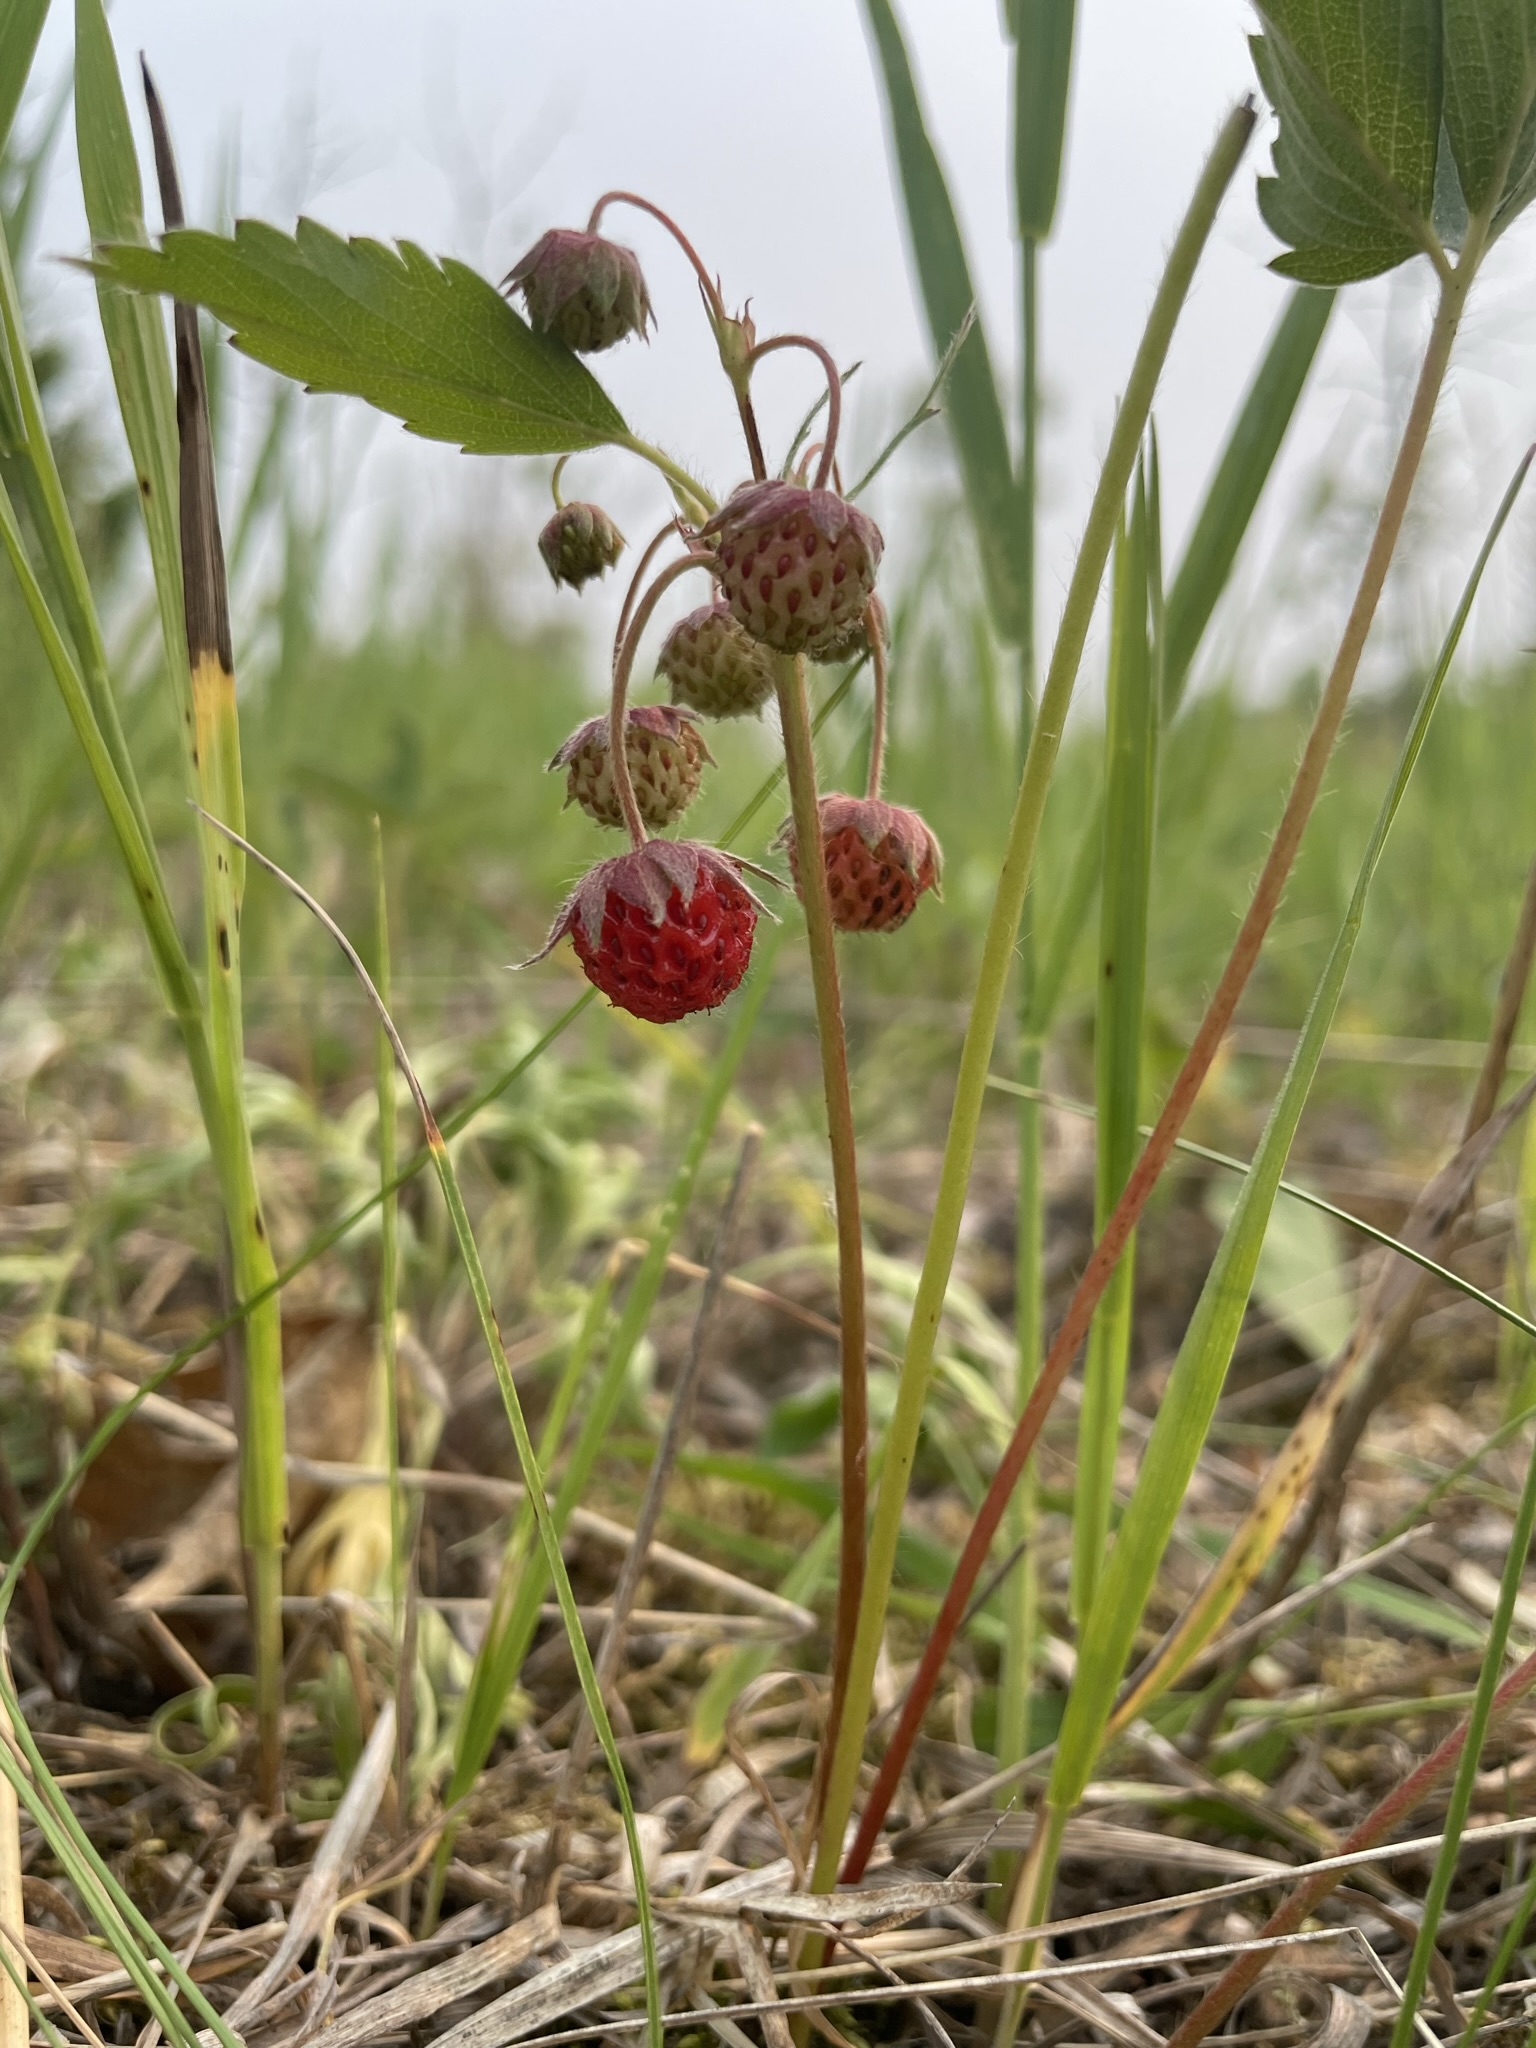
(713, 666)
(879, 860)
(578, 543)
(664, 931)
(666, 758)
(797, 565)
(585, 289)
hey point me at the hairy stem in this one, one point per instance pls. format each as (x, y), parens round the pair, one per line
(834, 393)
(996, 966)
(800, 768)
(879, 661)
(623, 662)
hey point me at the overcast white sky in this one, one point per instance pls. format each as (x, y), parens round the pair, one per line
(472, 126)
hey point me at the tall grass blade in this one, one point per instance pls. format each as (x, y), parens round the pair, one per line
(974, 410)
(21, 24)
(1195, 1383)
(1130, 744)
(1042, 33)
(1242, 470)
(389, 1246)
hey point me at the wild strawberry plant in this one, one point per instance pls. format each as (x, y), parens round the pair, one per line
(1406, 133)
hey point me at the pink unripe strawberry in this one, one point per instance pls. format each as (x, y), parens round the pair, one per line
(879, 859)
(578, 543)
(664, 931)
(714, 667)
(585, 289)
(666, 757)
(797, 565)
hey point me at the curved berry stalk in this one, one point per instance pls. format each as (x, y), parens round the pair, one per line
(733, 337)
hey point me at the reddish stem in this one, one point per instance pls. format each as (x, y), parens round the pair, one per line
(623, 662)
(877, 723)
(834, 392)
(711, 290)
(635, 582)
(1241, 1974)
(1181, 1098)
(714, 306)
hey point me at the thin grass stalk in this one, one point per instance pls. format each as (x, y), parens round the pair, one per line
(626, 1588)
(821, 944)
(1498, 1969)
(44, 489)
(15, 2019)
(505, 1641)
(1002, 930)
(1212, 1030)
(1020, 1592)
(1465, 1781)
(1130, 748)
(389, 1243)
(533, 1478)
(522, 1583)
(1238, 1979)
(130, 1936)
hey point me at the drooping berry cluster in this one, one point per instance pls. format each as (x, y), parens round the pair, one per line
(665, 930)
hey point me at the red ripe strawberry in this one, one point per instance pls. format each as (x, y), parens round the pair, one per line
(664, 931)
(713, 666)
(666, 758)
(880, 859)
(797, 565)
(584, 288)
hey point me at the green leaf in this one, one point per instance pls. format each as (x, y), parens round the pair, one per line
(972, 407)
(1490, 71)
(1357, 86)
(21, 23)
(433, 343)
(1042, 88)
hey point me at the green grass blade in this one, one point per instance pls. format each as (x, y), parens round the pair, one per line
(1465, 1783)
(131, 1937)
(1242, 470)
(21, 23)
(1042, 90)
(1200, 1369)
(389, 1245)
(1130, 743)
(973, 409)
(134, 331)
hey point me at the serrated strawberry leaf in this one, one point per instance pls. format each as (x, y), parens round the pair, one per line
(431, 342)
(1357, 86)
(1490, 85)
